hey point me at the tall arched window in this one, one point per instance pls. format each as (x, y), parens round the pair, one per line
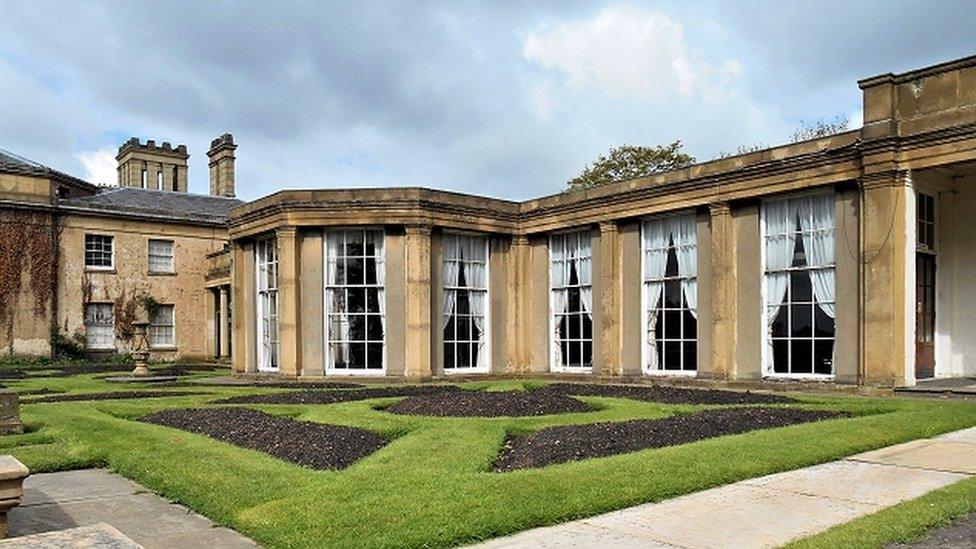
(266, 262)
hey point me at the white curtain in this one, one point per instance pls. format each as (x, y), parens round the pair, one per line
(335, 307)
(685, 232)
(475, 251)
(655, 244)
(780, 223)
(584, 269)
(378, 238)
(817, 222)
(451, 270)
(558, 277)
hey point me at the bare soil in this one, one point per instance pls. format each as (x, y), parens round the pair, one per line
(666, 395)
(488, 404)
(309, 444)
(114, 395)
(959, 533)
(331, 397)
(577, 442)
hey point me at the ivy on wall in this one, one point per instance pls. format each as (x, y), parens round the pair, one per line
(29, 242)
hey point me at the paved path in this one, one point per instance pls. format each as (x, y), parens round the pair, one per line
(770, 511)
(55, 501)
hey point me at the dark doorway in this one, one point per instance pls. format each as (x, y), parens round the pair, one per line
(924, 315)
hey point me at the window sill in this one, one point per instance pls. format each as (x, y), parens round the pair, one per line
(799, 377)
(100, 270)
(160, 273)
(671, 373)
(163, 349)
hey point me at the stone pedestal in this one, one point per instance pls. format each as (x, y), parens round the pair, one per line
(10, 413)
(12, 475)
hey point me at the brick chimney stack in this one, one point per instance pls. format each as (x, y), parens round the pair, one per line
(222, 158)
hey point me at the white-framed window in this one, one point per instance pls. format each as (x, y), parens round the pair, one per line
(925, 238)
(99, 251)
(799, 293)
(571, 301)
(355, 301)
(670, 294)
(100, 325)
(144, 178)
(160, 256)
(465, 312)
(159, 180)
(266, 262)
(162, 327)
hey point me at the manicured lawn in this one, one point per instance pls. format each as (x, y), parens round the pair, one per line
(905, 522)
(432, 486)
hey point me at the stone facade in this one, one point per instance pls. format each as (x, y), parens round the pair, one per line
(919, 131)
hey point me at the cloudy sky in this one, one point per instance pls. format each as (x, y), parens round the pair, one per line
(508, 99)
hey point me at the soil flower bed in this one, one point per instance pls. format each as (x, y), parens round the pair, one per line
(312, 445)
(331, 397)
(577, 442)
(115, 395)
(488, 404)
(666, 395)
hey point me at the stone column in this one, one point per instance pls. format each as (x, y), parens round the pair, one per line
(211, 306)
(417, 302)
(289, 303)
(607, 278)
(723, 291)
(887, 246)
(224, 305)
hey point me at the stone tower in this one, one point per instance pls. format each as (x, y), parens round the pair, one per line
(222, 158)
(152, 167)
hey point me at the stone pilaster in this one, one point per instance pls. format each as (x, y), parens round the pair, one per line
(518, 276)
(723, 291)
(224, 304)
(417, 302)
(289, 302)
(608, 278)
(244, 341)
(888, 242)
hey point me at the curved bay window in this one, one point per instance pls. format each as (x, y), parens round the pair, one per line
(465, 271)
(571, 301)
(266, 261)
(800, 289)
(355, 301)
(671, 294)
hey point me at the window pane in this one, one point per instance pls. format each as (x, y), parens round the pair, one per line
(672, 355)
(672, 294)
(587, 353)
(355, 274)
(800, 286)
(802, 356)
(449, 355)
(357, 355)
(802, 320)
(781, 357)
(672, 324)
(823, 324)
(823, 361)
(374, 356)
(587, 324)
(464, 356)
(357, 327)
(691, 356)
(691, 326)
(374, 328)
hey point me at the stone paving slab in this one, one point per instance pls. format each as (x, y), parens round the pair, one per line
(100, 536)
(937, 454)
(776, 509)
(56, 501)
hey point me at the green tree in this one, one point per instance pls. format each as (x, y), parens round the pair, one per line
(630, 162)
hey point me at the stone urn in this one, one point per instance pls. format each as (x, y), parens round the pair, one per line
(141, 353)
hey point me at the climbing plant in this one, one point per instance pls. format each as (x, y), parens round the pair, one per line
(29, 242)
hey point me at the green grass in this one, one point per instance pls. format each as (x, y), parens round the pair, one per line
(433, 485)
(906, 522)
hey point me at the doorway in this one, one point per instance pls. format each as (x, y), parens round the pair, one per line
(924, 316)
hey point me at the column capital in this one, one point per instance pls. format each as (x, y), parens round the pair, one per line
(609, 226)
(887, 178)
(286, 230)
(418, 229)
(719, 208)
(520, 240)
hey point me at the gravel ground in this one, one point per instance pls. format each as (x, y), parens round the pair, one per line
(331, 397)
(667, 395)
(285, 384)
(576, 442)
(958, 534)
(115, 395)
(312, 445)
(488, 404)
(41, 391)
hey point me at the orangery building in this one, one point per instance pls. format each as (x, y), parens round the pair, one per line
(844, 259)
